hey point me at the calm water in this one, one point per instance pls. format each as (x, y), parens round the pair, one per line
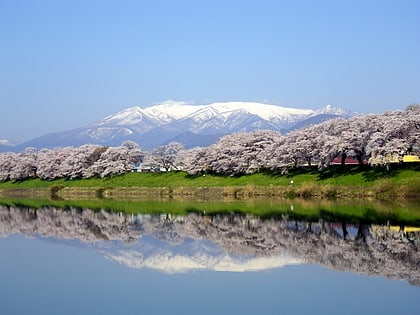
(85, 262)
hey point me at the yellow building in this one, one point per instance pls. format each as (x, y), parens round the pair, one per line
(411, 158)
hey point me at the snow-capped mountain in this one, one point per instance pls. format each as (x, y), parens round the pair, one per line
(5, 142)
(162, 123)
(6, 145)
(194, 255)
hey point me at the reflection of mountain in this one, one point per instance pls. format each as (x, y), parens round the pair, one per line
(229, 242)
(192, 254)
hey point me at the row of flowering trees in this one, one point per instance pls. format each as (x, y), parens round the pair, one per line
(377, 139)
(374, 138)
(69, 162)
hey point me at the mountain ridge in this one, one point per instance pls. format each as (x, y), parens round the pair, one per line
(159, 124)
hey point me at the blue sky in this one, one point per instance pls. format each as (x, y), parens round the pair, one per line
(66, 64)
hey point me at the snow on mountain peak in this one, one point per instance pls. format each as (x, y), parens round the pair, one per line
(170, 110)
(129, 116)
(165, 122)
(171, 263)
(5, 142)
(330, 109)
(204, 113)
(265, 111)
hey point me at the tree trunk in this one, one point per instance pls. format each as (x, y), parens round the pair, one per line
(344, 228)
(343, 158)
(362, 232)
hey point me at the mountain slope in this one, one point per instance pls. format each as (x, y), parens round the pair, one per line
(6, 145)
(162, 123)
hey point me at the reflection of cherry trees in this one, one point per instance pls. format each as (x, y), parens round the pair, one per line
(379, 139)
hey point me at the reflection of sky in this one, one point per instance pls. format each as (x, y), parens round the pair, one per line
(38, 277)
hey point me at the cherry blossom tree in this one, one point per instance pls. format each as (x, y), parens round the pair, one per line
(381, 138)
(235, 154)
(192, 160)
(7, 164)
(165, 156)
(116, 160)
(25, 165)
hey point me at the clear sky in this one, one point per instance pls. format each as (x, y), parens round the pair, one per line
(66, 64)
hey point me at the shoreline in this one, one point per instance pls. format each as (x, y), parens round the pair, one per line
(379, 192)
(335, 183)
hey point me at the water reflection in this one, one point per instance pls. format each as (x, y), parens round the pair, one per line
(229, 242)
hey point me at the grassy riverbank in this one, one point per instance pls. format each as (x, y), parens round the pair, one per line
(403, 212)
(336, 182)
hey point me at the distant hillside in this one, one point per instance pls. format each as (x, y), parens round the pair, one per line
(192, 125)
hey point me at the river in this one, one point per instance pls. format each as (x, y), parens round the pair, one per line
(84, 261)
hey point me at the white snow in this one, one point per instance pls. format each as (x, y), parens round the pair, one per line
(170, 111)
(204, 113)
(129, 116)
(265, 111)
(330, 109)
(168, 262)
(5, 142)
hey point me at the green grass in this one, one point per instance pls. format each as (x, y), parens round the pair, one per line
(227, 194)
(334, 211)
(306, 181)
